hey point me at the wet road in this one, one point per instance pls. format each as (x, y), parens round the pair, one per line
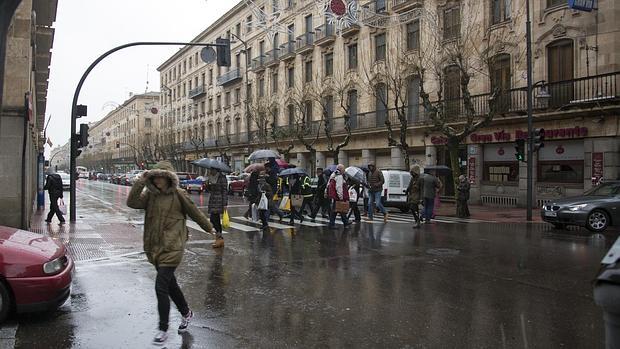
(446, 285)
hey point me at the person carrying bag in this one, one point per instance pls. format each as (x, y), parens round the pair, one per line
(338, 193)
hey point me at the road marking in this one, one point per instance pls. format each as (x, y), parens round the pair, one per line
(271, 224)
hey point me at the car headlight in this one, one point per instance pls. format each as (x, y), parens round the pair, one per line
(577, 207)
(54, 266)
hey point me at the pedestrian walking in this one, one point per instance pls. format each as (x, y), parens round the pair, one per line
(306, 192)
(338, 194)
(271, 173)
(355, 191)
(607, 295)
(165, 236)
(53, 185)
(431, 185)
(266, 189)
(252, 193)
(462, 210)
(217, 186)
(294, 189)
(375, 183)
(321, 202)
(414, 194)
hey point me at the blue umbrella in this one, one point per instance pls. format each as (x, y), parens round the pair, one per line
(293, 171)
(356, 174)
(212, 163)
(330, 169)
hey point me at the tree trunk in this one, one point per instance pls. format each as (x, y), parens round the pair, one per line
(453, 149)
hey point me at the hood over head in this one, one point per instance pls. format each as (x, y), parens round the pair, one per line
(162, 169)
(415, 170)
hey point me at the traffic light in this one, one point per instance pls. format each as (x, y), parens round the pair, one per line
(539, 138)
(82, 140)
(520, 149)
(223, 52)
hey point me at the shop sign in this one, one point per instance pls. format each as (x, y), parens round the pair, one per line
(503, 136)
(471, 169)
(439, 140)
(597, 166)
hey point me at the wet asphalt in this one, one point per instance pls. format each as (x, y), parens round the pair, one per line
(445, 285)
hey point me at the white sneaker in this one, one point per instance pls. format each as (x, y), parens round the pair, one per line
(160, 338)
(185, 322)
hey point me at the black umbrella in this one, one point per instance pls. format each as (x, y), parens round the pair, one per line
(440, 169)
(263, 154)
(212, 163)
(292, 171)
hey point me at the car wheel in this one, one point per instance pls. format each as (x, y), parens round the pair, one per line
(597, 221)
(560, 226)
(5, 302)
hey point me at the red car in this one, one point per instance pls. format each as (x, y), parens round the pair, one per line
(239, 185)
(35, 272)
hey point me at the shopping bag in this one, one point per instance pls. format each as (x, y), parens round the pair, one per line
(254, 213)
(263, 204)
(62, 207)
(225, 220)
(285, 203)
(297, 200)
(341, 207)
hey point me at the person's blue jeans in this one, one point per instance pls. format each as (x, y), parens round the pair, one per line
(332, 215)
(374, 197)
(429, 204)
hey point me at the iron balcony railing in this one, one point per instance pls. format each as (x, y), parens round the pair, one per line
(305, 40)
(197, 91)
(258, 62)
(584, 92)
(272, 57)
(325, 32)
(230, 76)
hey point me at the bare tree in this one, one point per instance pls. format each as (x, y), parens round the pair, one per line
(305, 130)
(261, 110)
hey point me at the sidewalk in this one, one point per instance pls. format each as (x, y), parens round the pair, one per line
(490, 213)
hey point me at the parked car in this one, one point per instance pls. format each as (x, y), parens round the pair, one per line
(229, 180)
(597, 209)
(133, 176)
(183, 177)
(35, 272)
(102, 177)
(198, 185)
(239, 185)
(396, 183)
(66, 180)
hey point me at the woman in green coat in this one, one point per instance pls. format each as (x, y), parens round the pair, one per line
(414, 191)
(165, 234)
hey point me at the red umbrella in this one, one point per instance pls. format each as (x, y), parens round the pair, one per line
(282, 163)
(254, 167)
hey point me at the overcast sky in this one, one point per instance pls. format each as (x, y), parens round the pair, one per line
(86, 29)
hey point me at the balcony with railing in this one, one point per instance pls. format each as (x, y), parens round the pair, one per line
(230, 77)
(374, 10)
(325, 34)
(305, 43)
(258, 63)
(287, 51)
(400, 6)
(197, 91)
(272, 58)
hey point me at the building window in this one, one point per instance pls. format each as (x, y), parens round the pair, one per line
(210, 76)
(329, 107)
(248, 25)
(413, 35)
(500, 81)
(500, 10)
(451, 23)
(238, 126)
(380, 47)
(352, 102)
(307, 111)
(308, 71)
(202, 108)
(291, 115)
(274, 83)
(248, 92)
(329, 64)
(452, 91)
(413, 98)
(238, 30)
(551, 3)
(237, 95)
(291, 77)
(381, 102)
(560, 171)
(380, 6)
(218, 103)
(261, 87)
(561, 72)
(275, 113)
(352, 56)
(210, 110)
(227, 99)
(147, 123)
(494, 171)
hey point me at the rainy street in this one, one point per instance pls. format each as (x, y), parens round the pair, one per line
(449, 284)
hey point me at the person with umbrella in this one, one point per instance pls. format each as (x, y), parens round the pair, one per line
(413, 192)
(320, 201)
(462, 210)
(252, 193)
(355, 191)
(294, 186)
(271, 173)
(218, 201)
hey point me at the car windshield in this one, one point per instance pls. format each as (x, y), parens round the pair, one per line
(605, 189)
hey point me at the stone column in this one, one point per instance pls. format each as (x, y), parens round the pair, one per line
(302, 160)
(431, 155)
(368, 156)
(343, 158)
(397, 159)
(320, 159)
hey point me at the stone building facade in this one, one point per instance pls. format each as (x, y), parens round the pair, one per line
(211, 111)
(125, 138)
(26, 46)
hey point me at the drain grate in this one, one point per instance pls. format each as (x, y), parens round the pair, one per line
(86, 248)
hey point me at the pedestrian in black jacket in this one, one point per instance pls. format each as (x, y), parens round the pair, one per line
(320, 201)
(53, 185)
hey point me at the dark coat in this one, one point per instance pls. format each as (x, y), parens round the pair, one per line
(165, 230)
(252, 192)
(375, 180)
(53, 185)
(218, 194)
(463, 189)
(414, 190)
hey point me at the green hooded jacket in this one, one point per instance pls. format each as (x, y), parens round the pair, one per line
(165, 229)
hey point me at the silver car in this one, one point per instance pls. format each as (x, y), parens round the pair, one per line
(596, 209)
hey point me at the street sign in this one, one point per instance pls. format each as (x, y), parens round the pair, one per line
(208, 55)
(582, 5)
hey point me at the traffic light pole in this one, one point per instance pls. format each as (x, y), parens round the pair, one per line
(530, 141)
(74, 116)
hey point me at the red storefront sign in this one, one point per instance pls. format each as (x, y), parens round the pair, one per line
(471, 169)
(503, 136)
(597, 166)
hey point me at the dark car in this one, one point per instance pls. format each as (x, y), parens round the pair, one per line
(239, 184)
(35, 272)
(596, 209)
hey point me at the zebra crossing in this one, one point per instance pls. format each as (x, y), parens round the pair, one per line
(241, 224)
